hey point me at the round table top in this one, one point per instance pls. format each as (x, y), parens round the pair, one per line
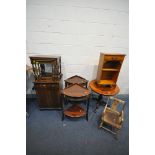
(106, 91)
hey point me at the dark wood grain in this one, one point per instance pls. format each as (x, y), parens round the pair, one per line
(76, 79)
(75, 94)
(39, 69)
(75, 90)
(48, 83)
(75, 111)
(104, 90)
(48, 94)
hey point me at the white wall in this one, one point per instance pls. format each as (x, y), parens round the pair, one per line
(79, 30)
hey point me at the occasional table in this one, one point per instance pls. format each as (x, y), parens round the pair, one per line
(76, 79)
(103, 91)
(75, 94)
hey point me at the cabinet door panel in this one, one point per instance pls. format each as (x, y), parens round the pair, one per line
(42, 95)
(55, 95)
(48, 95)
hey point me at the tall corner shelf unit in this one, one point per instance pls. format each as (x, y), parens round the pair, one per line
(109, 68)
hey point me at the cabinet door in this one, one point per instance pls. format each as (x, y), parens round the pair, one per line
(48, 95)
(55, 100)
(42, 95)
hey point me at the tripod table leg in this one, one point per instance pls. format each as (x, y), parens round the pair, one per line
(98, 102)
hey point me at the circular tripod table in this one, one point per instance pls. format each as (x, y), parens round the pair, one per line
(103, 91)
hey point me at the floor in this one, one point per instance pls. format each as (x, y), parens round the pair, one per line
(47, 135)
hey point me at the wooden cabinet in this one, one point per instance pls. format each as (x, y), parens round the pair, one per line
(48, 94)
(48, 81)
(46, 66)
(109, 68)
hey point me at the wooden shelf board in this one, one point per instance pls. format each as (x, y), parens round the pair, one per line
(76, 79)
(109, 69)
(75, 90)
(75, 111)
(106, 82)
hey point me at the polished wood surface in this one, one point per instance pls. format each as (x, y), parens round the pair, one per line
(48, 80)
(109, 68)
(106, 82)
(109, 90)
(46, 66)
(76, 91)
(76, 79)
(48, 94)
(45, 56)
(75, 94)
(103, 90)
(75, 111)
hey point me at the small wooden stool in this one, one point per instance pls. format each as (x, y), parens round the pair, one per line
(103, 91)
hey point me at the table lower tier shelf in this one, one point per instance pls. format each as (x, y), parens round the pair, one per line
(75, 111)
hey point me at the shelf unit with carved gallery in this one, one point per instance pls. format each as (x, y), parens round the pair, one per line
(48, 80)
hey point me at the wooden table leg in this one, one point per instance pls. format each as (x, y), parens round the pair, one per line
(98, 102)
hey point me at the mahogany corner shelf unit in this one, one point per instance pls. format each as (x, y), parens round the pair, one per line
(75, 94)
(109, 68)
(48, 81)
(76, 79)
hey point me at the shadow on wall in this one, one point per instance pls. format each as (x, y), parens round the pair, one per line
(29, 82)
(94, 73)
(63, 70)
